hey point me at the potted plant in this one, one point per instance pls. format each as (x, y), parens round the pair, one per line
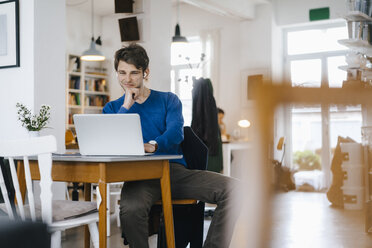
(307, 160)
(33, 122)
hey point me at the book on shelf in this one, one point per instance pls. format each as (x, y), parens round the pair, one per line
(77, 96)
(73, 98)
(70, 119)
(96, 101)
(74, 82)
(96, 85)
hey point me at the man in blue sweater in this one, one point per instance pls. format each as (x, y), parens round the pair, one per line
(162, 129)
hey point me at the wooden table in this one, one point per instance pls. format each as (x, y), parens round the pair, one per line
(109, 169)
(227, 149)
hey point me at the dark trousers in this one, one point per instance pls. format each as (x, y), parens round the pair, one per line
(138, 197)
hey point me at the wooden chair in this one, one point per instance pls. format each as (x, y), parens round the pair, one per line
(59, 215)
(70, 140)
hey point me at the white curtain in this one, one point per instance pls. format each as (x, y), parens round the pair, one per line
(211, 47)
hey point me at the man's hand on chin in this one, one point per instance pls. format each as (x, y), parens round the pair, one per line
(131, 95)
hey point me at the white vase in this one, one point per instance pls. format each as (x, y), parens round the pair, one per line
(34, 133)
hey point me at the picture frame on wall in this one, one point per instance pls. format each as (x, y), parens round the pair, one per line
(9, 34)
(250, 80)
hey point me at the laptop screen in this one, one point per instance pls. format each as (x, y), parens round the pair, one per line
(109, 134)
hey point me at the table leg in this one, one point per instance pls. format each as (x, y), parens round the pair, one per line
(75, 191)
(21, 180)
(86, 229)
(102, 215)
(226, 159)
(228, 167)
(167, 205)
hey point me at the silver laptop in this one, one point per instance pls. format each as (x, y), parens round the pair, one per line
(109, 134)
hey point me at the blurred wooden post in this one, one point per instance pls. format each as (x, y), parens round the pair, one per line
(271, 96)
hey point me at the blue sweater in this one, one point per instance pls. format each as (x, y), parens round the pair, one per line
(161, 120)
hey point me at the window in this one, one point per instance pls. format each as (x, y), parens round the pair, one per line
(186, 64)
(335, 75)
(312, 59)
(306, 72)
(315, 40)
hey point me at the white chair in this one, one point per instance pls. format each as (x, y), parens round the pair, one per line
(113, 190)
(59, 215)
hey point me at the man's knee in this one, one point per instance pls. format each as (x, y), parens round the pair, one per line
(133, 211)
(229, 187)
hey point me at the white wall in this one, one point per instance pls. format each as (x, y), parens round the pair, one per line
(17, 84)
(39, 78)
(159, 43)
(49, 64)
(111, 43)
(79, 30)
(256, 50)
(255, 39)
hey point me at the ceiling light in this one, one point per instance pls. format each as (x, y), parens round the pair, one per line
(92, 54)
(177, 34)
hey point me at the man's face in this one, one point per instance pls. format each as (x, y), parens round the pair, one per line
(220, 117)
(129, 76)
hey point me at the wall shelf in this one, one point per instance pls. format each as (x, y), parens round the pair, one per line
(74, 91)
(93, 107)
(78, 74)
(125, 15)
(357, 16)
(95, 75)
(358, 45)
(74, 106)
(348, 68)
(96, 93)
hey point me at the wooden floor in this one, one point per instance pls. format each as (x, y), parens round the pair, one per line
(300, 220)
(74, 237)
(306, 219)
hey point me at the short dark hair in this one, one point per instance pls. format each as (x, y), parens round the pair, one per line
(220, 111)
(133, 54)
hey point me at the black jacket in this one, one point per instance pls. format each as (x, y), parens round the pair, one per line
(205, 115)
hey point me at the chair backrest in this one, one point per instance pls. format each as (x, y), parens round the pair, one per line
(42, 147)
(194, 150)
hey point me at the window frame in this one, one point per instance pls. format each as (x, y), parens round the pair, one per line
(325, 109)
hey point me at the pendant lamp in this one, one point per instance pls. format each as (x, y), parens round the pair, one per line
(92, 54)
(177, 34)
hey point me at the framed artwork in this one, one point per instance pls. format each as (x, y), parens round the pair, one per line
(250, 79)
(9, 34)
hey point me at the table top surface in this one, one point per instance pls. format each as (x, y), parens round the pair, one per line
(238, 144)
(77, 157)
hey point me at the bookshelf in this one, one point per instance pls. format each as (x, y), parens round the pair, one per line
(87, 88)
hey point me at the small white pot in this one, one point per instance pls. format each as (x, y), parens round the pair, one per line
(34, 133)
